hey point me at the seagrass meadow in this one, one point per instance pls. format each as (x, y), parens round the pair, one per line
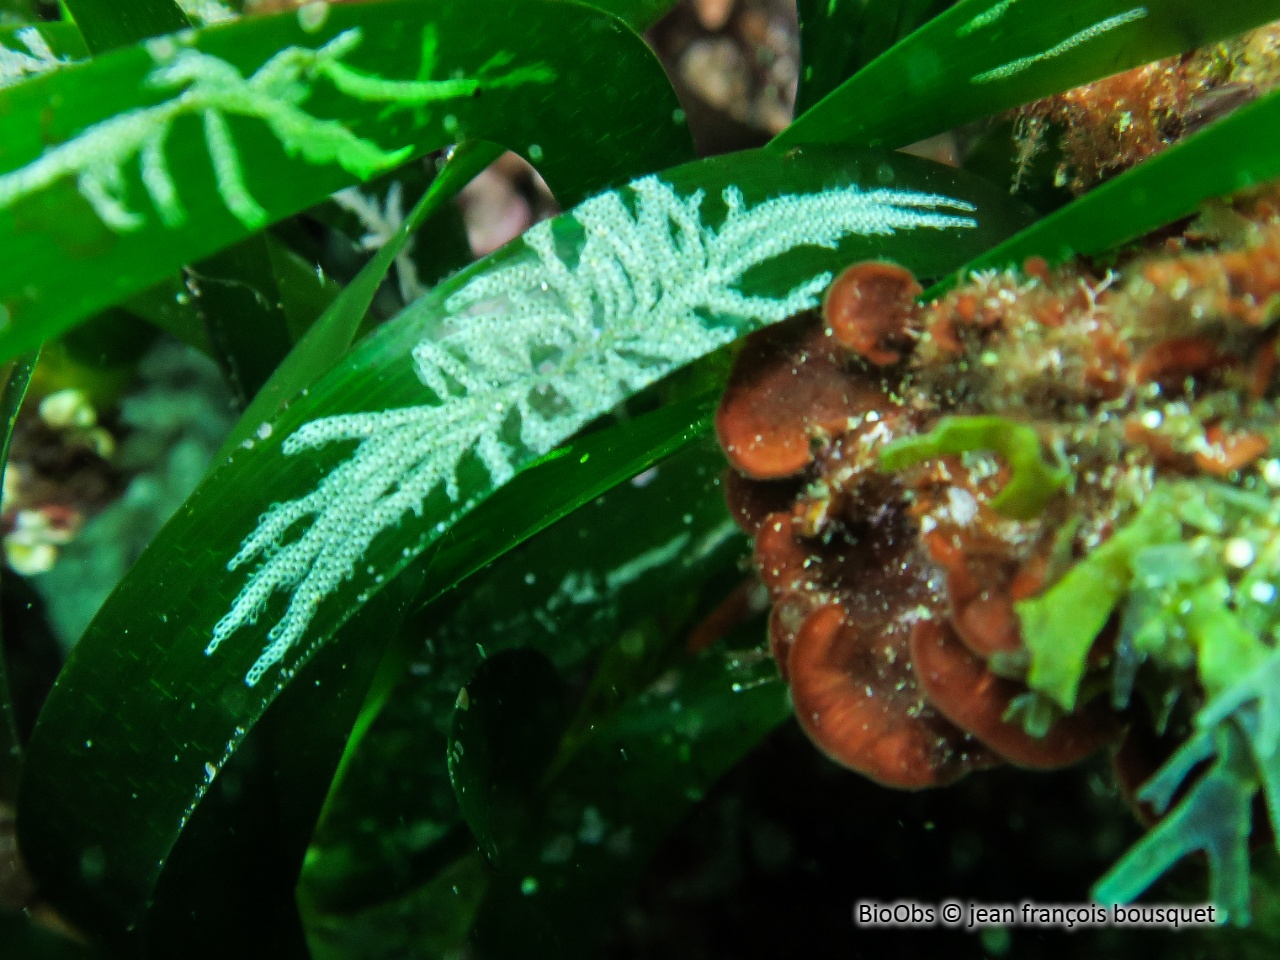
(637, 479)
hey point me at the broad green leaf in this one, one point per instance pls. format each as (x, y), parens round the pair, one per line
(549, 492)
(753, 254)
(305, 293)
(254, 297)
(168, 307)
(348, 682)
(839, 37)
(985, 56)
(257, 821)
(569, 845)
(107, 24)
(1234, 153)
(15, 390)
(626, 566)
(237, 126)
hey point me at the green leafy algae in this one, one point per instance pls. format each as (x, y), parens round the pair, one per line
(1192, 577)
(1060, 626)
(1034, 480)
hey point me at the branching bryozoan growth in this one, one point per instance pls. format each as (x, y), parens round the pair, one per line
(39, 58)
(535, 349)
(212, 89)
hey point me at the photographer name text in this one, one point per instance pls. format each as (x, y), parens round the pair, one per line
(975, 916)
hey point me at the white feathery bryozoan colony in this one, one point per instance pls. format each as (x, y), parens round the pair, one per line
(536, 348)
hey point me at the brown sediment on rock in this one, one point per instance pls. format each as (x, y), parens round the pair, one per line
(895, 618)
(1106, 127)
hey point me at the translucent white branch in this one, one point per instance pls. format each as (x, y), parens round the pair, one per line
(533, 350)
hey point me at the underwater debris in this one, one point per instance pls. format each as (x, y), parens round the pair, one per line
(987, 522)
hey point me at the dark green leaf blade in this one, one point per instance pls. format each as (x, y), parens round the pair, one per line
(168, 307)
(305, 292)
(100, 784)
(638, 14)
(601, 817)
(258, 818)
(107, 24)
(547, 493)
(285, 156)
(506, 729)
(237, 296)
(986, 56)
(625, 571)
(839, 37)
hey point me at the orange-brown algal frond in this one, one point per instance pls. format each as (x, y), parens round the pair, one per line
(869, 309)
(895, 590)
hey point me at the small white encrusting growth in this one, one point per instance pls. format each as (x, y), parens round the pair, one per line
(534, 349)
(1014, 67)
(211, 89)
(39, 58)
